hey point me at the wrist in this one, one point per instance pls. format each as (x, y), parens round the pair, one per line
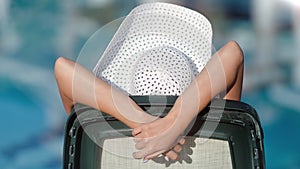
(173, 120)
(143, 117)
(175, 111)
(181, 114)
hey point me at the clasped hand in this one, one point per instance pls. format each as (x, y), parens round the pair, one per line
(161, 136)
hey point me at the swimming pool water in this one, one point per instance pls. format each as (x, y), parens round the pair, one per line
(281, 125)
(26, 140)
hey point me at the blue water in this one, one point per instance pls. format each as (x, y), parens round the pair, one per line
(281, 129)
(32, 116)
(26, 141)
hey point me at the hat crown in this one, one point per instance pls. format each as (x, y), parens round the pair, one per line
(157, 35)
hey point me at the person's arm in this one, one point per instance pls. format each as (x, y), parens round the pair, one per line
(77, 85)
(223, 72)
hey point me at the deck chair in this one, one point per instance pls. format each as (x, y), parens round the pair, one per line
(155, 54)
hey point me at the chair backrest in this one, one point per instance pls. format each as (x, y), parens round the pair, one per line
(95, 140)
(157, 50)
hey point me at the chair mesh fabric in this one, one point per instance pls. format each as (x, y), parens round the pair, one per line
(197, 153)
(158, 49)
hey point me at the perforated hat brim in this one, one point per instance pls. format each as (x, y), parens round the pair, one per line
(157, 50)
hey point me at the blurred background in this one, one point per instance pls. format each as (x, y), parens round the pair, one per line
(34, 33)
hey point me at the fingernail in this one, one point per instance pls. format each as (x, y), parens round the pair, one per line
(166, 158)
(145, 160)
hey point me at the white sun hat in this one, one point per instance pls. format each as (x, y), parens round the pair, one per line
(158, 49)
